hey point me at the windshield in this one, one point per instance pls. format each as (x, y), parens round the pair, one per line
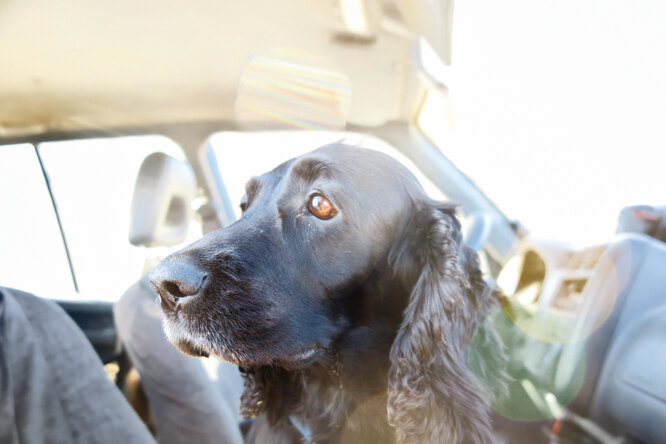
(558, 112)
(555, 111)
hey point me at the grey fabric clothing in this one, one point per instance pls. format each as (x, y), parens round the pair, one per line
(53, 387)
(188, 405)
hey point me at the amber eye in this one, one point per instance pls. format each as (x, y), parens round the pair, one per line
(321, 207)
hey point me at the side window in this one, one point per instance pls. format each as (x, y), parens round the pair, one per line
(92, 183)
(32, 253)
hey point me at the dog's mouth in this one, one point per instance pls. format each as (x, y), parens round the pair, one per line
(191, 338)
(238, 356)
(290, 362)
(305, 355)
(301, 359)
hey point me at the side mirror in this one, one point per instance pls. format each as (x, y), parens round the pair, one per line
(161, 211)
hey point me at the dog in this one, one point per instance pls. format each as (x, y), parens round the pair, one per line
(348, 300)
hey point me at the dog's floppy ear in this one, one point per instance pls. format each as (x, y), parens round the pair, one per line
(432, 396)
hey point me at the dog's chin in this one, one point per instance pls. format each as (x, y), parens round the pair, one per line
(289, 361)
(301, 359)
(242, 354)
(292, 361)
(189, 348)
(182, 341)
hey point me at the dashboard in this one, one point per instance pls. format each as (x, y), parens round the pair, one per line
(591, 328)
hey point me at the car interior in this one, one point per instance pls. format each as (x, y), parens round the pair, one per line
(228, 96)
(583, 316)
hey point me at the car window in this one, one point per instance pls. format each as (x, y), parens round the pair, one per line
(243, 155)
(92, 182)
(33, 255)
(561, 125)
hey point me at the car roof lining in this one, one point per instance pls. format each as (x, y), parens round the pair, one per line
(85, 66)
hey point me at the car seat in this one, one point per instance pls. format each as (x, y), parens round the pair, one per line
(643, 219)
(186, 404)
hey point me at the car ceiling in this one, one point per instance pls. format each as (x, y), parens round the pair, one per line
(81, 64)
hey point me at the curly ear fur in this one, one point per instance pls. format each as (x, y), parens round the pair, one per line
(432, 396)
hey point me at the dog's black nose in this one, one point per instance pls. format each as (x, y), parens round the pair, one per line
(176, 279)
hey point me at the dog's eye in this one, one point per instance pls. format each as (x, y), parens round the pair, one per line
(321, 207)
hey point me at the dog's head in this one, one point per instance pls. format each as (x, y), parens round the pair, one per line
(270, 287)
(281, 285)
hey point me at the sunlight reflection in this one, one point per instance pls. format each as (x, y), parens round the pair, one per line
(292, 89)
(539, 371)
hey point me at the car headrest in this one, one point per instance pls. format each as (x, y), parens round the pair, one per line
(643, 219)
(161, 205)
